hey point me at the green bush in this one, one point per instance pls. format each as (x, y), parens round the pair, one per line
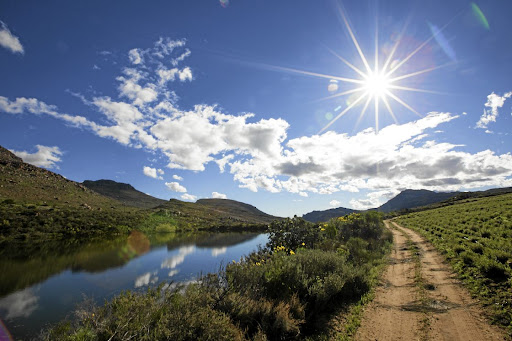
(284, 291)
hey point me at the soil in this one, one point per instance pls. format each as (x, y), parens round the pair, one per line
(420, 298)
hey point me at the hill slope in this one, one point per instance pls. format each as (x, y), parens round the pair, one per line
(26, 183)
(236, 209)
(213, 213)
(411, 198)
(319, 216)
(124, 193)
(475, 235)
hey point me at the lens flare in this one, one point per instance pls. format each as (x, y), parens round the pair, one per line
(442, 41)
(4, 333)
(480, 16)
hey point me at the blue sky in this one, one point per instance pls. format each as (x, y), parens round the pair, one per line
(240, 98)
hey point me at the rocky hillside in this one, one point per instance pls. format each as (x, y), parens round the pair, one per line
(125, 193)
(22, 182)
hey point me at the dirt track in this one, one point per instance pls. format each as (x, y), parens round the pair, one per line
(421, 299)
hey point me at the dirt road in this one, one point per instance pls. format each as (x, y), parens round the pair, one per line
(421, 299)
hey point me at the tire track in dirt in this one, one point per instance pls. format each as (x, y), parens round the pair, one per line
(453, 314)
(385, 318)
(421, 299)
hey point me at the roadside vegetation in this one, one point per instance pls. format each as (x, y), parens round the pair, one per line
(290, 289)
(475, 235)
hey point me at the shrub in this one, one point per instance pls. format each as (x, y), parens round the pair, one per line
(492, 269)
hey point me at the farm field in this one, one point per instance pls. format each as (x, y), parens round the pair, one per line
(475, 236)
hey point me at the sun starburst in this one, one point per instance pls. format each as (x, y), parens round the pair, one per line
(374, 84)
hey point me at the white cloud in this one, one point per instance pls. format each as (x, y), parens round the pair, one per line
(131, 88)
(259, 154)
(185, 74)
(135, 56)
(218, 195)
(153, 172)
(176, 187)
(9, 40)
(177, 177)
(188, 197)
(373, 199)
(303, 194)
(493, 102)
(45, 156)
(335, 203)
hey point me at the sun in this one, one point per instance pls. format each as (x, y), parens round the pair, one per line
(377, 84)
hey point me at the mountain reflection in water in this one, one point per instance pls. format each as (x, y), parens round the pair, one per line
(42, 282)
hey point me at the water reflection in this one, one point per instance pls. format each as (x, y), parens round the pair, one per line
(146, 279)
(174, 261)
(42, 282)
(217, 251)
(19, 304)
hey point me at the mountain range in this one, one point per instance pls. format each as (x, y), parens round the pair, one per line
(407, 200)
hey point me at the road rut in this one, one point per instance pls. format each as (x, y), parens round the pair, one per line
(421, 299)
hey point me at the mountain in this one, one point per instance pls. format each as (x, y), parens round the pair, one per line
(411, 198)
(319, 216)
(216, 212)
(23, 182)
(124, 193)
(236, 209)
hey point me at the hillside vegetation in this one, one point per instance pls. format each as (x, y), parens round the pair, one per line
(320, 216)
(475, 235)
(124, 193)
(37, 203)
(415, 198)
(290, 289)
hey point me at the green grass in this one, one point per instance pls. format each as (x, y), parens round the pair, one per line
(475, 235)
(290, 289)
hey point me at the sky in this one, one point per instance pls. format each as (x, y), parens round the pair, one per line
(290, 106)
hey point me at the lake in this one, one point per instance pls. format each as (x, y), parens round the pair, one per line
(42, 283)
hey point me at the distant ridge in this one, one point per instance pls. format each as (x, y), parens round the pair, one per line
(319, 216)
(411, 198)
(124, 193)
(236, 208)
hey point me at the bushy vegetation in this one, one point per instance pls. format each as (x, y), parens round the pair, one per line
(22, 220)
(286, 290)
(476, 236)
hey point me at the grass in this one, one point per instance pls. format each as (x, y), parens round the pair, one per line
(290, 289)
(475, 235)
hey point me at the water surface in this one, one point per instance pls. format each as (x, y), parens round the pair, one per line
(42, 283)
